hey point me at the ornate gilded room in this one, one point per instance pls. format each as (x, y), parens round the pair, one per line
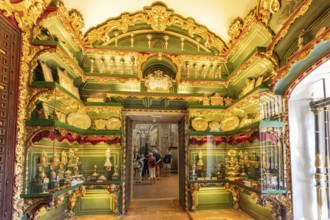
(236, 93)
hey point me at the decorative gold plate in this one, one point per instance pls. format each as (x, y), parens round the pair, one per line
(245, 122)
(100, 124)
(199, 124)
(113, 124)
(229, 123)
(214, 126)
(79, 120)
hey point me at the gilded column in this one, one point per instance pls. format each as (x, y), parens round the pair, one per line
(26, 13)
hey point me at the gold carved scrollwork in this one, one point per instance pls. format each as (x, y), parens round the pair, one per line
(72, 199)
(76, 20)
(32, 206)
(114, 191)
(266, 8)
(194, 188)
(159, 17)
(283, 32)
(235, 193)
(235, 28)
(25, 12)
(28, 53)
(278, 202)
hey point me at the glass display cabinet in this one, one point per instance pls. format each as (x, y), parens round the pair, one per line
(236, 155)
(253, 160)
(73, 149)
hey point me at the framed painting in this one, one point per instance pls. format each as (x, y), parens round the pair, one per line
(64, 80)
(47, 73)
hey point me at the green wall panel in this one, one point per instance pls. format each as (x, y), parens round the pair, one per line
(213, 198)
(96, 201)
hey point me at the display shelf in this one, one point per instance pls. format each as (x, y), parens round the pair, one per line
(52, 122)
(55, 86)
(223, 133)
(59, 47)
(102, 183)
(64, 190)
(55, 193)
(222, 181)
(54, 57)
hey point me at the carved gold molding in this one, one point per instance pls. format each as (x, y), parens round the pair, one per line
(159, 17)
(72, 19)
(258, 55)
(235, 193)
(284, 30)
(25, 12)
(301, 55)
(278, 203)
(194, 188)
(265, 9)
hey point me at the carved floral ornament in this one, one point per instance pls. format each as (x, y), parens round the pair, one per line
(158, 82)
(235, 28)
(266, 8)
(25, 12)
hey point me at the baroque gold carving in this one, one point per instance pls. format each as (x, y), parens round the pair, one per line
(235, 28)
(159, 17)
(283, 32)
(114, 192)
(278, 203)
(235, 193)
(325, 36)
(266, 8)
(25, 12)
(194, 188)
(76, 20)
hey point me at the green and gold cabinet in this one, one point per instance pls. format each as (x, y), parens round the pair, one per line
(73, 155)
(237, 160)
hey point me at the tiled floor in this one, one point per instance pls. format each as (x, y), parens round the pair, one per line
(160, 202)
(166, 187)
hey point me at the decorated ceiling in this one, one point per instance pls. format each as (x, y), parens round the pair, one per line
(156, 58)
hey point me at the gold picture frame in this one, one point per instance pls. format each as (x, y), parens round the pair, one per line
(64, 80)
(47, 73)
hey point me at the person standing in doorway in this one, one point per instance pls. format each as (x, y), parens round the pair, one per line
(152, 167)
(158, 163)
(138, 166)
(167, 161)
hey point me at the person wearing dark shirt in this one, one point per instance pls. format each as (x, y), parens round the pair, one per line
(167, 162)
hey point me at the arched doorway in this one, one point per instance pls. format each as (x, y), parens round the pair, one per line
(315, 87)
